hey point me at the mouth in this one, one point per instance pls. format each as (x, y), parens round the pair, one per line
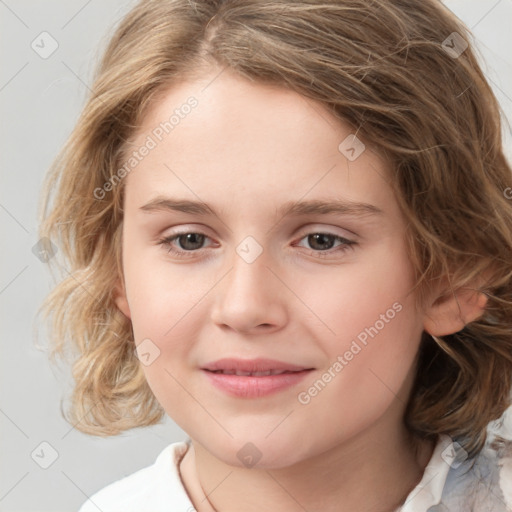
(241, 373)
(254, 378)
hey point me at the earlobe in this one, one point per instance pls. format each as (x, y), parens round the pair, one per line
(121, 300)
(453, 311)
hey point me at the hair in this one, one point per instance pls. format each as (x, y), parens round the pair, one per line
(378, 65)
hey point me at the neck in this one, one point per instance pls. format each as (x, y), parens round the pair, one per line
(372, 472)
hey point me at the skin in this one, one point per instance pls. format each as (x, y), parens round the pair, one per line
(245, 150)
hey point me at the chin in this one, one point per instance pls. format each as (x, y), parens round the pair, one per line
(256, 451)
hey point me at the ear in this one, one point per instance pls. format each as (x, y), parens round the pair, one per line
(120, 298)
(452, 311)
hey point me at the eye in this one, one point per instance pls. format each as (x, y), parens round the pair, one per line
(324, 242)
(190, 242)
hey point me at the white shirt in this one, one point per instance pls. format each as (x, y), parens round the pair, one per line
(450, 483)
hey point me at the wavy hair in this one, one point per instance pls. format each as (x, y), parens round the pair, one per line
(398, 75)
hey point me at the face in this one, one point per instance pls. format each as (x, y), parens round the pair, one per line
(325, 292)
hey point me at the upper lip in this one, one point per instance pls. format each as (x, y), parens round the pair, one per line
(252, 365)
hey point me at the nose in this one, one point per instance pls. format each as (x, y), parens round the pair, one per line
(251, 299)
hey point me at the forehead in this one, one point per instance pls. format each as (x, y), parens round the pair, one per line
(221, 137)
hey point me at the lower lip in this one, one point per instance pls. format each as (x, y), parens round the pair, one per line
(254, 387)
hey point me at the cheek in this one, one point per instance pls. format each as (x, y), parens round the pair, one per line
(350, 298)
(361, 380)
(163, 304)
(168, 308)
(160, 293)
(373, 326)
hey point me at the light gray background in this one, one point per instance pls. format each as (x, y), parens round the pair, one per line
(40, 100)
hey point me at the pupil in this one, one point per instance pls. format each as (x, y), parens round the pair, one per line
(194, 238)
(313, 240)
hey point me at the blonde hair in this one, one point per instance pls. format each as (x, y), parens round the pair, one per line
(380, 66)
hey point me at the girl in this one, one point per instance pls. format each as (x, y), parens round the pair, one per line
(287, 227)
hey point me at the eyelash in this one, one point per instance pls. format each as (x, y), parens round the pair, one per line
(167, 242)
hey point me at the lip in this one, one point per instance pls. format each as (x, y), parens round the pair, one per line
(253, 386)
(252, 365)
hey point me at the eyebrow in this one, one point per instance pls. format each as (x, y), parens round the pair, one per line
(288, 209)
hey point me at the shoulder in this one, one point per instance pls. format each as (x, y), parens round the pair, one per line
(155, 488)
(482, 483)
